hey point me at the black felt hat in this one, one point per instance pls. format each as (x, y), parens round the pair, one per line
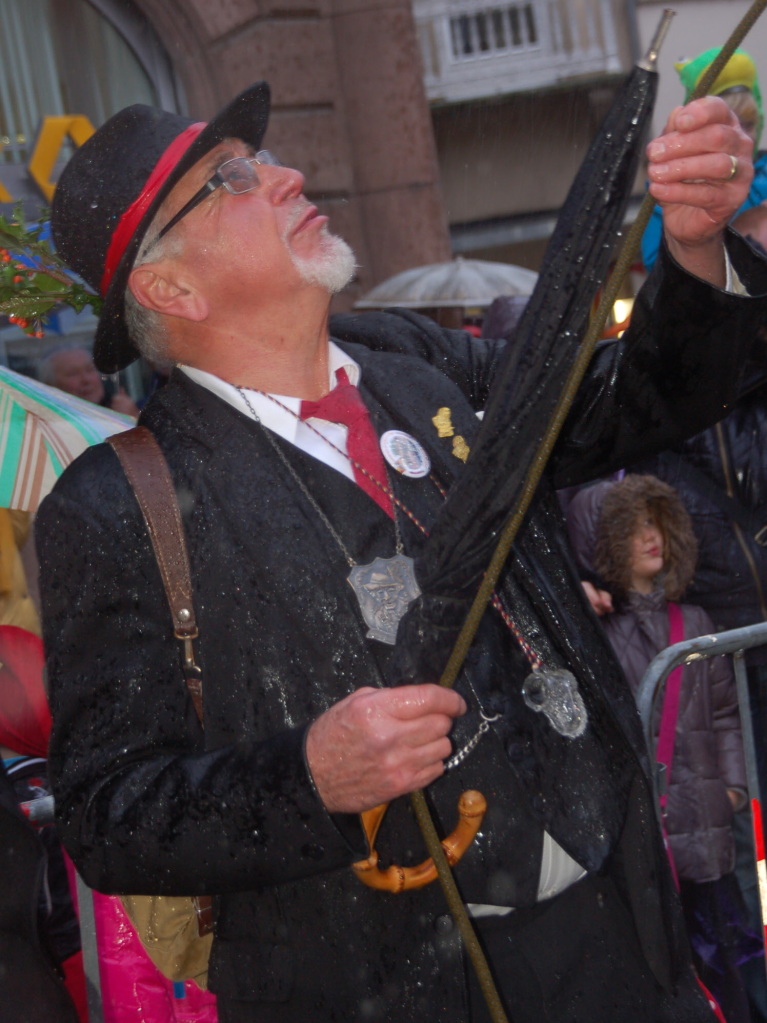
(112, 187)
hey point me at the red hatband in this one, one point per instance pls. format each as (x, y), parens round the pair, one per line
(131, 218)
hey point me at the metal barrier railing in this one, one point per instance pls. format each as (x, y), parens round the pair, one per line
(735, 642)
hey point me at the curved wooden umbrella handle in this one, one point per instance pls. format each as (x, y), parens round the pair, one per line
(471, 809)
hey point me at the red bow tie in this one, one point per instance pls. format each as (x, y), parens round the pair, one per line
(344, 405)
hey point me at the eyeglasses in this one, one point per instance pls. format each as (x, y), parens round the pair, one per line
(236, 176)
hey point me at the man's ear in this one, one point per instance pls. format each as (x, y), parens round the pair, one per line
(166, 293)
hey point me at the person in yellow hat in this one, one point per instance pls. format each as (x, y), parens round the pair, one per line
(738, 86)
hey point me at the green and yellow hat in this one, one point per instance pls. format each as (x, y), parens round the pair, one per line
(738, 73)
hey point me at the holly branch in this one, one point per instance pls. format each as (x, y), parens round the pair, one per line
(33, 278)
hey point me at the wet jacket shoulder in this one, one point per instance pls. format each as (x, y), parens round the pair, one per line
(669, 376)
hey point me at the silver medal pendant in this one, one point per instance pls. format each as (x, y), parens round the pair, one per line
(385, 589)
(554, 692)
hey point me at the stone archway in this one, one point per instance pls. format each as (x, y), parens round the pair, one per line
(349, 109)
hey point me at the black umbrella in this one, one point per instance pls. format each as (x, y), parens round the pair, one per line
(472, 537)
(547, 359)
(547, 342)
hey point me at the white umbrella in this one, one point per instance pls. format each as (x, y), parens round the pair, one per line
(42, 430)
(460, 282)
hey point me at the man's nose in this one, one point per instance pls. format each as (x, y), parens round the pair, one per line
(282, 182)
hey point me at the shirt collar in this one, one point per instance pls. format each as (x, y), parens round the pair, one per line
(280, 415)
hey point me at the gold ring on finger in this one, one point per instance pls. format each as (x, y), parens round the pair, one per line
(733, 168)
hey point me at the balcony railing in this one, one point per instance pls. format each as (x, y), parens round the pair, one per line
(473, 50)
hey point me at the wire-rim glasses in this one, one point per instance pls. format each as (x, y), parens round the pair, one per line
(237, 175)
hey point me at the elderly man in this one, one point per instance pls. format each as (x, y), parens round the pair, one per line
(208, 254)
(71, 369)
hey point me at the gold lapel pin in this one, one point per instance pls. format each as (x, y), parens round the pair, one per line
(443, 423)
(460, 448)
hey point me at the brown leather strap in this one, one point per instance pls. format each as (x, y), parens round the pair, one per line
(203, 908)
(144, 464)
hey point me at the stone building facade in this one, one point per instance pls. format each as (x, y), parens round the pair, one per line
(349, 104)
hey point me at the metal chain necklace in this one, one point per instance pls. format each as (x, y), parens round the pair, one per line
(384, 487)
(386, 587)
(379, 564)
(550, 691)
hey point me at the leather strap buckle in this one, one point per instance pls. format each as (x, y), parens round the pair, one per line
(203, 908)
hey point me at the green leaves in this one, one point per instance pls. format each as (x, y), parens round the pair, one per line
(33, 278)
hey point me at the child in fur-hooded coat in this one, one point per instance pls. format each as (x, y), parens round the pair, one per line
(635, 538)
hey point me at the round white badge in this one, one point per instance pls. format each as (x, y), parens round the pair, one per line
(405, 454)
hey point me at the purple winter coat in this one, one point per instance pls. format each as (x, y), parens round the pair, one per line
(708, 751)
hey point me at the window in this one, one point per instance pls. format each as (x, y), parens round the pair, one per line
(62, 57)
(494, 30)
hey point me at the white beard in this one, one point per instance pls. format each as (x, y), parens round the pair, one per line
(331, 268)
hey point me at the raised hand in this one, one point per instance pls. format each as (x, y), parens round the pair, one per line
(700, 171)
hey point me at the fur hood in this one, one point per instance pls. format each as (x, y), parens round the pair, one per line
(602, 519)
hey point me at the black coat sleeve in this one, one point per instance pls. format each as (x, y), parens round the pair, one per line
(689, 353)
(682, 362)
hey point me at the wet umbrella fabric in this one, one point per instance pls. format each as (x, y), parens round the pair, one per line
(546, 342)
(42, 430)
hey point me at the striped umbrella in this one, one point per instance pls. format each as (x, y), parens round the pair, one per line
(42, 430)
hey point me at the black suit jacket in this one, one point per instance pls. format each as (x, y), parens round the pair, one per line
(146, 802)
